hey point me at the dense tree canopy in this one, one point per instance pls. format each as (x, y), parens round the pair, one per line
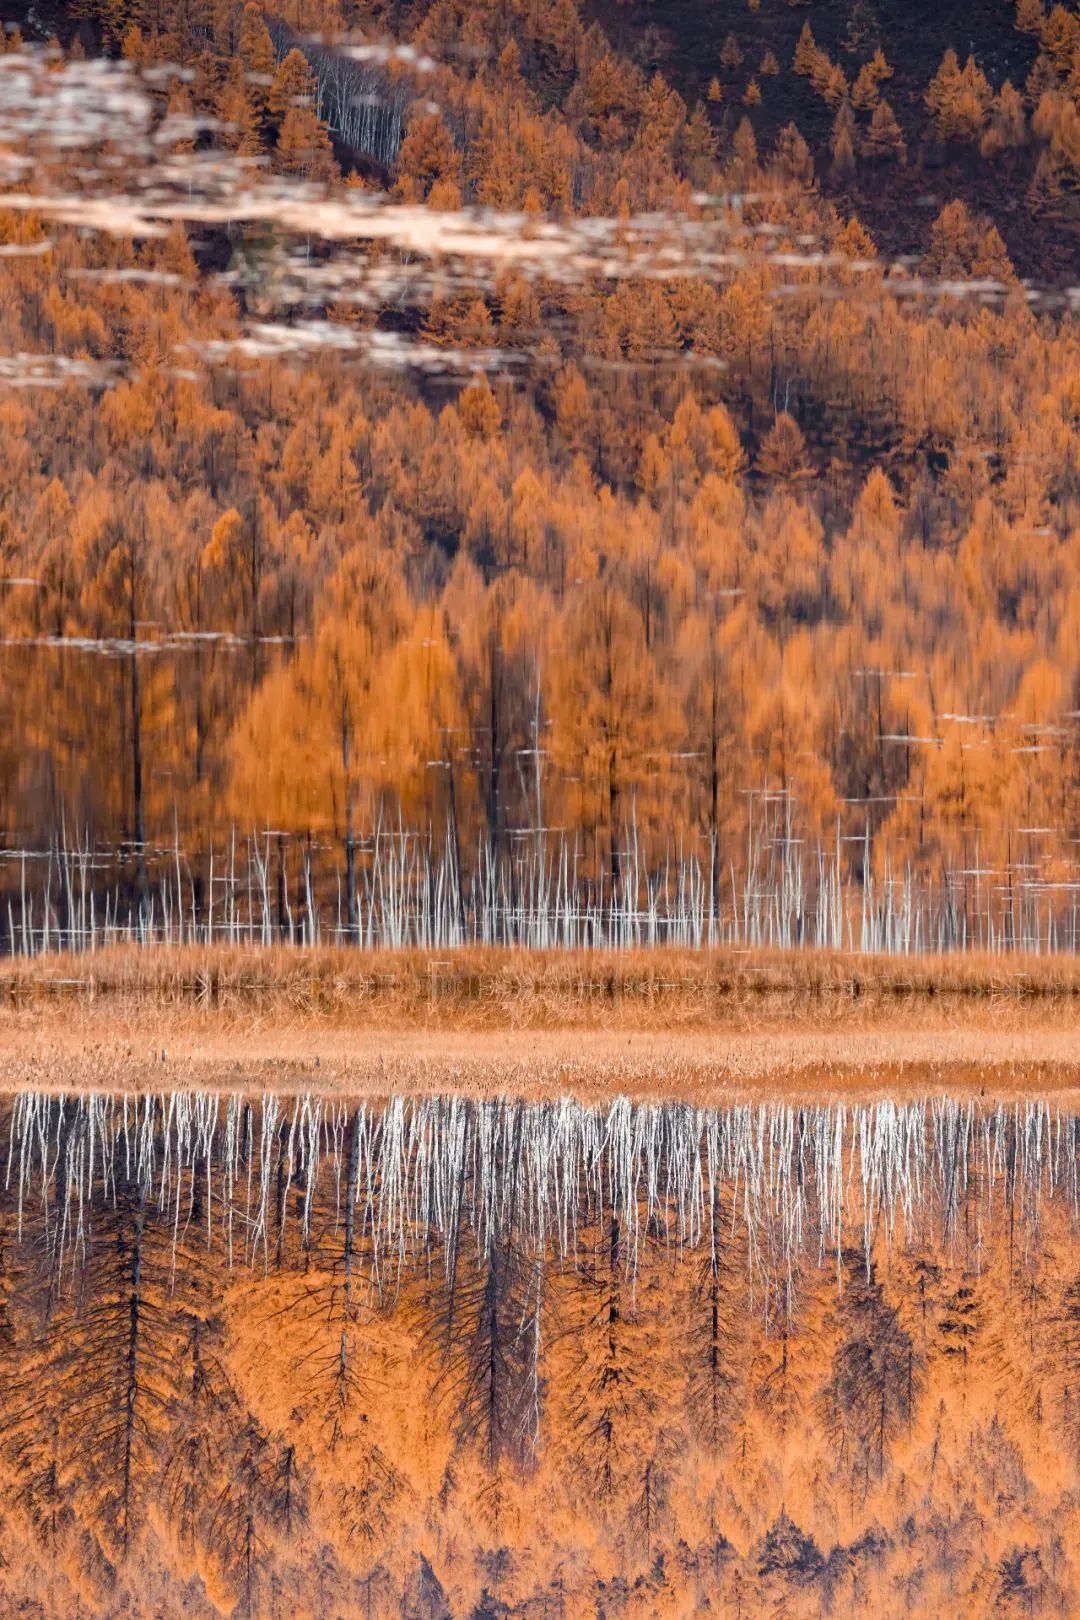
(793, 545)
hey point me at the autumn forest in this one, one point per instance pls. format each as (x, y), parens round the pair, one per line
(465, 478)
(539, 809)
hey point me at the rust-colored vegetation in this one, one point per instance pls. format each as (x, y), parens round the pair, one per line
(690, 1024)
(498, 989)
(259, 1374)
(728, 602)
(539, 567)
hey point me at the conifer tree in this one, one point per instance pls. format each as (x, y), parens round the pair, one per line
(884, 138)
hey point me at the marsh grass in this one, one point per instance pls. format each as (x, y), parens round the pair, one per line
(499, 988)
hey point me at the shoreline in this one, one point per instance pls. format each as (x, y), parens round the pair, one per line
(892, 1063)
(702, 1027)
(495, 986)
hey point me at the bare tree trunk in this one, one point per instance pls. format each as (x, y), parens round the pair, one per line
(138, 812)
(494, 808)
(613, 819)
(456, 840)
(352, 913)
(282, 893)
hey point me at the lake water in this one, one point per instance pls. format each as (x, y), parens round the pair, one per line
(430, 1357)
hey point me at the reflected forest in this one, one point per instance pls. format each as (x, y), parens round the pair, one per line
(433, 1357)
(539, 552)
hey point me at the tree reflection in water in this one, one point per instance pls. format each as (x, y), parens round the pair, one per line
(439, 1357)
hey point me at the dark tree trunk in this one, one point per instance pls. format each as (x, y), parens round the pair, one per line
(131, 1392)
(351, 1177)
(352, 913)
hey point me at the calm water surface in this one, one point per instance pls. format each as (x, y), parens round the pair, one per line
(438, 1358)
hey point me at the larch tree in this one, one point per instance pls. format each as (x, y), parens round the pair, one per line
(710, 737)
(105, 1367)
(614, 1425)
(875, 1380)
(294, 84)
(884, 139)
(318, 1337)
(718, 1333)
(611, 714)
(842, 140)
(485, 1334)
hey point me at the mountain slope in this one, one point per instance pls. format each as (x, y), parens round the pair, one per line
(692, 45)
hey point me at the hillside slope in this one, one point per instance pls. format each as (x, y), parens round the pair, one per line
(897, 202)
